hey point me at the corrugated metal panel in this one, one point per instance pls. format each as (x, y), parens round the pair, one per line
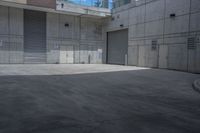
(117, 47)
(34, 37)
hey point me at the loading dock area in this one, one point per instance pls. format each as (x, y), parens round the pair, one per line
(81, 98)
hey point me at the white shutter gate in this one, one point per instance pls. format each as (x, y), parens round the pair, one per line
(34, 37)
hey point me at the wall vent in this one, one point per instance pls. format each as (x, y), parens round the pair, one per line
(154, 45)
(191, 43)
(172, 15)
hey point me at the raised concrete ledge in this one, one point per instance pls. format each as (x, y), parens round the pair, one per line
(196, 85)
(72, 9)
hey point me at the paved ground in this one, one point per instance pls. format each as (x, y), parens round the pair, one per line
(97, 99)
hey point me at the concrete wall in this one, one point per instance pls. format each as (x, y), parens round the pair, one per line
(149, 20)
(84, 34)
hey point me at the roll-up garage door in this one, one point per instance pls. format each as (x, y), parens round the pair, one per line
(34, 37)
(117, 47)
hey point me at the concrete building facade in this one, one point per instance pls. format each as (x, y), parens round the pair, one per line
(161, 33)
(68, 38)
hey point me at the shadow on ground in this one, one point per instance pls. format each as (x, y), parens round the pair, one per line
(143, 101)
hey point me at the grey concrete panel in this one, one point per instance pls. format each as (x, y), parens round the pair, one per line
(155, 10)
(177, 58)
(152, 58)
(154, 28)
(52, 25)
(137, 42)
(133, 55)
(179, 7)
(16, 50)
(163, 56)
(137, 15)
(53, 51)
(195, 5)
(4, 50)
(158, 39)
(66, 26)
(76, 34)
(175, 40)
(95, 54)
(100, 54)
(195, 22)
(84, 54)
(76, 54)
(177, 24)
(120, 18)
(143, 56)
(136, 31)
(94, 30)
(83, 28)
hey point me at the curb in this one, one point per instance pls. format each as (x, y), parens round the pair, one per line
(196, 85)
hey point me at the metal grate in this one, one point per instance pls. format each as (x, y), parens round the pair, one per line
(191, 43)
(154, 45)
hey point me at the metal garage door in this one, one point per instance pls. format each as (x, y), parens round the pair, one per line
(117, 47)
(34, 37)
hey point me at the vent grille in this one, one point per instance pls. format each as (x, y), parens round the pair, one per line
(191, 43)
(154, 45)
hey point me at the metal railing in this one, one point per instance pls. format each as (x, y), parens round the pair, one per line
(110, 4)
(92, 3)
(118, 3)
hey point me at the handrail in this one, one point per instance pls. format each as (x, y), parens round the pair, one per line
(109, 4)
